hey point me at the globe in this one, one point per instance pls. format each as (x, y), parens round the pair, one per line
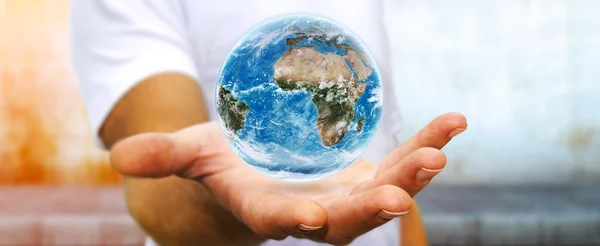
(299, 98)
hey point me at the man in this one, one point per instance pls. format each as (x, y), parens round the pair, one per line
(148, 70)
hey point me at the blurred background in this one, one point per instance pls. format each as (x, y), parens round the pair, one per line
(525, 73)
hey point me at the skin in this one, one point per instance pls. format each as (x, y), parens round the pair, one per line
(185, 186)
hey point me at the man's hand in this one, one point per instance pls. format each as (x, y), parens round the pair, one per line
(335, 210)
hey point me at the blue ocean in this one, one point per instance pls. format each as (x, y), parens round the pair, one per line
(280, 135)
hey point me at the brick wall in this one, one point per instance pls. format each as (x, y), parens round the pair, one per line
(66, 216)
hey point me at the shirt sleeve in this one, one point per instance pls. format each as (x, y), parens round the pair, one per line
(116, 44)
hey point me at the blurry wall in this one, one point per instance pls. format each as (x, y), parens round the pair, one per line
(525, 73)
(44, 137)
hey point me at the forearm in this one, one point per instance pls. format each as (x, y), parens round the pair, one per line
(173, 211)
(412, 230)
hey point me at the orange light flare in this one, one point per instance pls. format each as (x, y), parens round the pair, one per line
(44, 136)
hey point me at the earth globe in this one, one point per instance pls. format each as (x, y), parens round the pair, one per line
(299, 98)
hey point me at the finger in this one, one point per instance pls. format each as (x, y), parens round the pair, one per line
(155, 155)
(354, 215)
(412, 174)
(436, 135)
(277, 217)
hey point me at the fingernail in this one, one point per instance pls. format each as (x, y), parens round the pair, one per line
(387, 215)
(456, 132)
(426, 174)
(305, 228)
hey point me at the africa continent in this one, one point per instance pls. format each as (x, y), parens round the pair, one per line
(333, 80)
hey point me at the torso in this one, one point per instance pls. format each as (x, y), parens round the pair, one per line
(213, 29)
(227, 22)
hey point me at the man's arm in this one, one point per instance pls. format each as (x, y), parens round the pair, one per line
(412, 230)
(172, 210)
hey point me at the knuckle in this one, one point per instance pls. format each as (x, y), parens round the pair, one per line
(396, 197)
(428, 155)
(265, 232)
(389, 191)
(259, 220)
(427, 151)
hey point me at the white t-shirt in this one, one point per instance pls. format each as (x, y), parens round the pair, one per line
(118, 43)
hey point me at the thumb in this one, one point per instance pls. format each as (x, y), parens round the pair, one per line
(156, 155)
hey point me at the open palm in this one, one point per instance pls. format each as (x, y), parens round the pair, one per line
(335, 210)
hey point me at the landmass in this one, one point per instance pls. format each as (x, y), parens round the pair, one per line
(360, 124)
(315, 35)
(355, 58)
(232, 111)
(333, 81)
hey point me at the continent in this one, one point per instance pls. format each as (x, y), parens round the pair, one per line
(232, 111)
(315, 34)
(305, 66)
(355, 58)
(362, 71)
(332, 79)
(361, 122)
